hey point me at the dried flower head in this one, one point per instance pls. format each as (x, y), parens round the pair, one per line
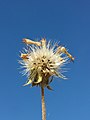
(41, 62)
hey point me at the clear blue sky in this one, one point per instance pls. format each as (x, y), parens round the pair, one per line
(67, 21)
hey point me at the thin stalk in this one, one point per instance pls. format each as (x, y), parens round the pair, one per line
(43, 104)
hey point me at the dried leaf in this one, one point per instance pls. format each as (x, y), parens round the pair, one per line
(49, 87)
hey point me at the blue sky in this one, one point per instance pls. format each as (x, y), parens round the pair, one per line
(67, 21)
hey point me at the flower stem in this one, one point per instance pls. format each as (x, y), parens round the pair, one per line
(43, 104)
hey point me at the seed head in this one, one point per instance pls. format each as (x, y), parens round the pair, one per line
(41, 62)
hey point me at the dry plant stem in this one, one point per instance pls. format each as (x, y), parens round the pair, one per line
(43, 104)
